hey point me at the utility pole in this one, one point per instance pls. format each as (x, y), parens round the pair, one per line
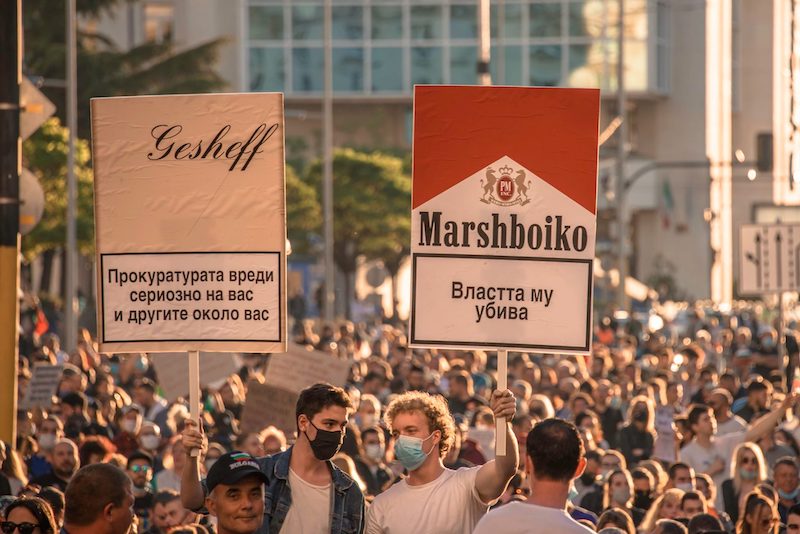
(10, 169)
(71, 300)
(484, 42)
(622, 227)
(327, 168)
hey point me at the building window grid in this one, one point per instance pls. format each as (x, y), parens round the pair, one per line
(406, 43)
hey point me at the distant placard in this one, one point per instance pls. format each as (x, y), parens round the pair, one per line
(173, 371)
(300, 368)
(42, 387)
(268, 405)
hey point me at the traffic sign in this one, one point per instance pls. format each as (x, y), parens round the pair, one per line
(769, 258)
(36, 108)
(31, 201)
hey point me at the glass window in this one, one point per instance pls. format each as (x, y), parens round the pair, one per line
(463, 65)
(267, 69)
(545, 65)
(387, 22)
(426, 22)
(307, 22)
(582, 19)
(463, 22)
(307, 69)
(545, 20)
(512, 21)
(506, 65)
(426, 64)
(159, 20)
(266, 22)
(586, 65)
(348, 69)
(348, 22)
(387, 69)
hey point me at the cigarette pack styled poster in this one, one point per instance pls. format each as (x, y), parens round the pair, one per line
(503, 217)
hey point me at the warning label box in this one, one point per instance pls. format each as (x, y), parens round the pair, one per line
(209, 296)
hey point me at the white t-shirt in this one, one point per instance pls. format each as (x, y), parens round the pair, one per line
(311, 507)
(734, 424)
(448, 505)
(524, 518)
(700, 458)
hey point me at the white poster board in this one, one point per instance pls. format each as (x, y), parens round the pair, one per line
(173, 371)
(190, 222)
(769, 258)
(42, 386)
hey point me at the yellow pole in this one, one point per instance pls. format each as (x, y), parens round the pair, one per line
(9, 336)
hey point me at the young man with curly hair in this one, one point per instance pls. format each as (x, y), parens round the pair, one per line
(433, 498)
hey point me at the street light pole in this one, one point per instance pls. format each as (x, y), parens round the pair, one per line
(622, 260)
(71, 300)
(327, 166)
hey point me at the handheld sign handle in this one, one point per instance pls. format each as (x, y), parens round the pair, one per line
(502, 385)
(194, 391)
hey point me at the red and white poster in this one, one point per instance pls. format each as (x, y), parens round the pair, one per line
(504, 217)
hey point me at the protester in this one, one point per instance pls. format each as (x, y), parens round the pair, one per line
(236, 495)
(433, 497)
(65, 464)
(787, 482)
(748, 470)
(140, 470)
(168, 512)
(793, 520)
(759, 515)
(554, 457)
(692, 504)
(303, 478)
(704, 524)
(99, 500)
(30, 515)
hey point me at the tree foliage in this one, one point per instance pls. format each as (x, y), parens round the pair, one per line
(372, 202)
(303, 212)
(104, 69)
(45, 154)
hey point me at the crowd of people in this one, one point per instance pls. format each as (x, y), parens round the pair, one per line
(688, 427)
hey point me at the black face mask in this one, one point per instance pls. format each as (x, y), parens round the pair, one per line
(588, 478)
(326, 444)
(642, 500)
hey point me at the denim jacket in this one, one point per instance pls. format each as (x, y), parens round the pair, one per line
(347, 502)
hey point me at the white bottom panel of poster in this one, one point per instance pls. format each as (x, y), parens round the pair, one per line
(514, 303)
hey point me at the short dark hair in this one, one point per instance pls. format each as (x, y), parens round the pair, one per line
(91, 489)
(757, 385)
(39, 508)
(165, 497)
(316, 398)
(146, 383)
(704, 523)
(75, 399)
(794, 510)
(692, 496)
(670, 526)
(555, 449)
(695, 412)
(673, 469)
(54, 497)
(139, 455)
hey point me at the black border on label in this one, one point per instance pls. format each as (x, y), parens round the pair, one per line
(281, 297)
(528, 346)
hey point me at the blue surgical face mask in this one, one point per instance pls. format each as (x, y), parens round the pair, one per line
(408, 451)
(790, 496)
(747, 475)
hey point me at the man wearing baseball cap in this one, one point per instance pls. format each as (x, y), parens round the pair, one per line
(236, 493)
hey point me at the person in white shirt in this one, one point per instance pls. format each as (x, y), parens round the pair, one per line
(554, 458)
(712, 454)
(720, 401)
(433, 498)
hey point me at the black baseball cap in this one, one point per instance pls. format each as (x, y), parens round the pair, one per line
(232, 467)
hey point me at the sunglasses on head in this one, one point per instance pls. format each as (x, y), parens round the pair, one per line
(23, 528)
(140, 468)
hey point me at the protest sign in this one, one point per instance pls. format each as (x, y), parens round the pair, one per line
(173, 371)
(190, 222)
(300, 368)
(503, 217)
(43, 385)
(269, 405)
